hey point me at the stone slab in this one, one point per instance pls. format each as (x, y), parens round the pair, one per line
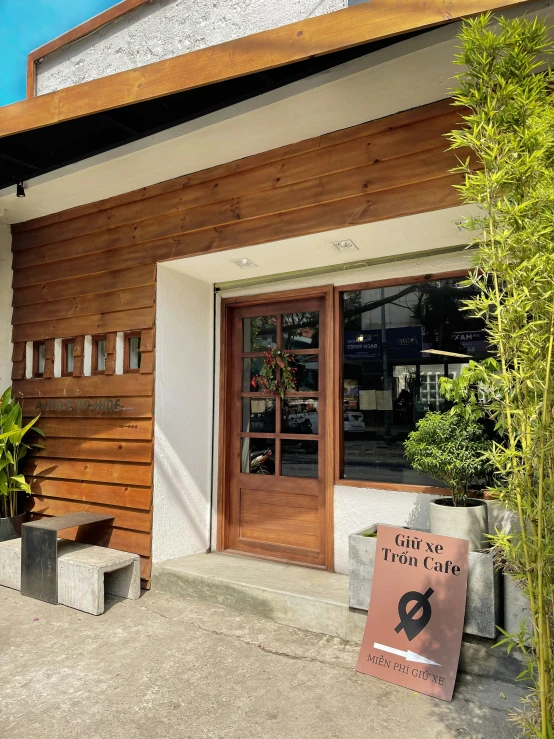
(85, 573)
(516, 606)
(305, 598)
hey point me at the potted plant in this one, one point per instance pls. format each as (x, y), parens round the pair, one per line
(13, 487)
(452, 449)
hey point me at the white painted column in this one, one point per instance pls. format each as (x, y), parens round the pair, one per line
(183, 414)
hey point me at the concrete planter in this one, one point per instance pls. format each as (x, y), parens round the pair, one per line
(361, 551)
(516, 606)
(469, 522)
(483, 594)
(10, 528)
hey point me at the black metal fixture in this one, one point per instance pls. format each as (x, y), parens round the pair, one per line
(20, 189)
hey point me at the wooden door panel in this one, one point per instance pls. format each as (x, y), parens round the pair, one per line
(278, 510)
(280, 551)
(300, 520)
(261, 498)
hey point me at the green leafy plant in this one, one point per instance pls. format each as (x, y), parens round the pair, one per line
(13, 449)
(506, 94)
(451, 450)
(277, 374)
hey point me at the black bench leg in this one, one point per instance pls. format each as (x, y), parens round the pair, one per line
(39, 570)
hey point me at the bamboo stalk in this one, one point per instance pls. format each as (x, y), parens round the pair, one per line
(543, 676)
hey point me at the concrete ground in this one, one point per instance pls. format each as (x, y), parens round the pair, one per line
(178, 669)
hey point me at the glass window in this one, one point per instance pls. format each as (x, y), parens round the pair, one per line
(301, 330)
(393, 359)
(299, 458)
(299, 416)
(258, 415)
(251, 367)
(38, 358)
(260, 333)
(258, 456)
(68, 357)
(134, 353)
(99, 357)
(307, 372)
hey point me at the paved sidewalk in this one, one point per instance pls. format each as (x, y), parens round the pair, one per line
(167, 668)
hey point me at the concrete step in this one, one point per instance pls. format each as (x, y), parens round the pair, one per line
(305, 598)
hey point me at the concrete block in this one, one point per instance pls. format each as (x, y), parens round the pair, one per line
(10, 564)
(81, 576)
(362, 561)
(483, 597)
(85, 573)
(483, 612)
(516, 606)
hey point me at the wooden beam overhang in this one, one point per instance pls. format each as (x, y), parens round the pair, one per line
(277, 47)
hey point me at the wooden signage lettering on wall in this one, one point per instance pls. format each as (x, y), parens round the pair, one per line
(416, 612)
(94, 405)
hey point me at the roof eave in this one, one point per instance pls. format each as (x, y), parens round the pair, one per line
(277, 47)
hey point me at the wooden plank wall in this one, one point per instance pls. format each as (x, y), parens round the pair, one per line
(92, 270)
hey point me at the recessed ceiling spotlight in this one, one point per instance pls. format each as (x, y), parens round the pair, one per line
(345, 245)
(244, 263)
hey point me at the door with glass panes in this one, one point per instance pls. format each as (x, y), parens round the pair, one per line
(276, 445)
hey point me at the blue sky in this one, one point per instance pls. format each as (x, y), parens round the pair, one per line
(27, 24)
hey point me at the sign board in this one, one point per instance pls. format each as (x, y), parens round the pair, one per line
(414, 625)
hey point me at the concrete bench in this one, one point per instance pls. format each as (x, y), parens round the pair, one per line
(85, 573)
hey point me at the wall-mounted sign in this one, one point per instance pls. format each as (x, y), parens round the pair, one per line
(93, 405)
(414, 625)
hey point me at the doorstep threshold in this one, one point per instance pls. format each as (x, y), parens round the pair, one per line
(263, 575)
(301, 597)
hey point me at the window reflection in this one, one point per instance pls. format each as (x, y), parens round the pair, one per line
(300, 416)
(392, 365)
(258, 415)
(301, 330)
(258, 456)
(299, 458)
(260, 333)
(251, 366)
(307, 372)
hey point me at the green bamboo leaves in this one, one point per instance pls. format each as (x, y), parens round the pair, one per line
(13, 449)
(506, 93)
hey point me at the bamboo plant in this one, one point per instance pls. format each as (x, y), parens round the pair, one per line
(13, 449)
(506, 95)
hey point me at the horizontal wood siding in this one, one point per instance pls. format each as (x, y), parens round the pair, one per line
(91, 270)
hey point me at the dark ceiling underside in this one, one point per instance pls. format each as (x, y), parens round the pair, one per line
(33, 153)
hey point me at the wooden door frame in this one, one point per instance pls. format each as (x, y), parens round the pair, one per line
(227, 304)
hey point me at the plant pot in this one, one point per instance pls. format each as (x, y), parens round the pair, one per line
(10, 528)
(362, 550)
(470, 521)
(483, 595)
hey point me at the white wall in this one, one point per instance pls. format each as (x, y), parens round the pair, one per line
(5, 307)
(183, 398)
(165, 28)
